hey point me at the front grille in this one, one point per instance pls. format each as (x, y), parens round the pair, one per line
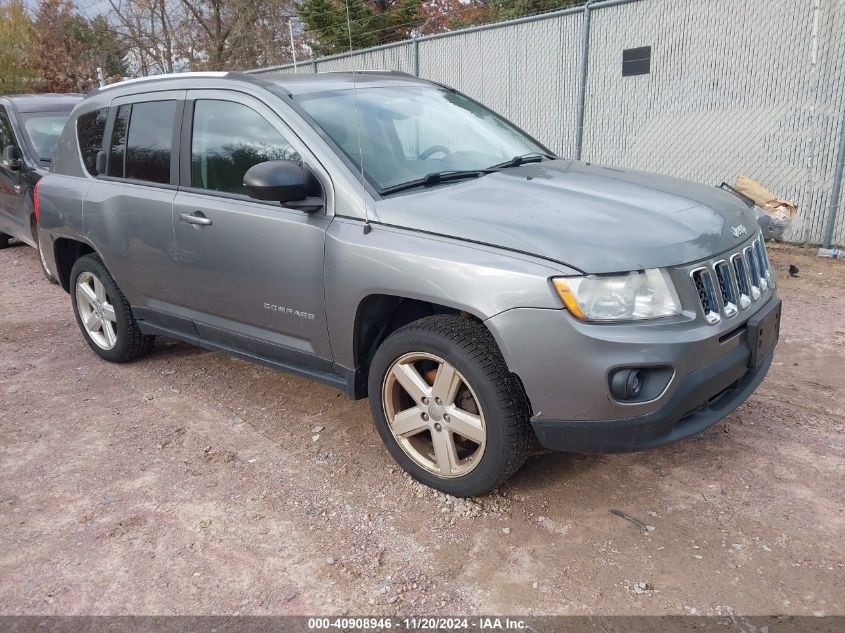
(727, 286)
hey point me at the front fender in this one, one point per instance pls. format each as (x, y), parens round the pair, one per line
(480, 280)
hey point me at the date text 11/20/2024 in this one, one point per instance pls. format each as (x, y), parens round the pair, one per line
(419, 623)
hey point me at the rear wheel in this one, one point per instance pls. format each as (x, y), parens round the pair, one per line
(446, 406)
(103, 313)
(4, 240)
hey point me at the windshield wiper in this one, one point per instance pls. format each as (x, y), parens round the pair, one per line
(456, 174)
(435, 178)
(516, 161)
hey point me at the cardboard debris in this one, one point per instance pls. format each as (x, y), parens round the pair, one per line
(782, 210)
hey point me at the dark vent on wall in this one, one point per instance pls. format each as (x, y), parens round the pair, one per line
(636, 61)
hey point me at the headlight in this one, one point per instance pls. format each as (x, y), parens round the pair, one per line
(646, 294)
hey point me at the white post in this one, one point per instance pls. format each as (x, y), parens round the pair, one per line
(100, 77)
(292, 43)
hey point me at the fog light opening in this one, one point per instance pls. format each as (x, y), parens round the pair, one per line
(626, 384)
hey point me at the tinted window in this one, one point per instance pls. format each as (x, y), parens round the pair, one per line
(6, 136)
(149, 141)
(228, 139)
(90, 128)
(117, 147)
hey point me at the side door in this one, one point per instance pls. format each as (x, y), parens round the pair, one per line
(128, 211)
(11, 191)
(253, 270)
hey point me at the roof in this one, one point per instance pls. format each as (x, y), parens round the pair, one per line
(291, 83)
(44, 102)
(324, 82)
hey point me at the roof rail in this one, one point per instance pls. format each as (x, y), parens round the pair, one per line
(165, 76)
(374, 71)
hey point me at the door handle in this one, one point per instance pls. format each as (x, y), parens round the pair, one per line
(197, 217)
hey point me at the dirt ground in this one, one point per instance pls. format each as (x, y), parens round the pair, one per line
(192, 483)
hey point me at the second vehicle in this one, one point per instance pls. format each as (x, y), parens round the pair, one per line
(30, 126)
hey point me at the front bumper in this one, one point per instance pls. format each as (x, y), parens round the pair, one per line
(696, 404)
(564, 365)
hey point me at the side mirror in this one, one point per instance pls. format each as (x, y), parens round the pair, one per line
(100, 163)
(284, 181)
(12, 157)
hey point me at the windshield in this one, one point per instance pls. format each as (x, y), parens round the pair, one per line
(43, 130)
(410, 132)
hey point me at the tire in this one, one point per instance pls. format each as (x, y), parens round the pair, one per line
(42, 261)
(4, 240)
(119, 339)
(486, 394)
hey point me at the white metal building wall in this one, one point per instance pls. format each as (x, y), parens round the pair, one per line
(733, 89)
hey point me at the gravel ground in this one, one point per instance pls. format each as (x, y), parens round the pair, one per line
(192, 483)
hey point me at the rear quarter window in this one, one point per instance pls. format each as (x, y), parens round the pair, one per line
(90, 128)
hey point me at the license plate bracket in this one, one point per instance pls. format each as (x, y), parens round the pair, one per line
(763, 333)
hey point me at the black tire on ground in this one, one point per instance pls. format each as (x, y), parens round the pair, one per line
(44, 270)
(130, 343)
(4, 240)
(472, 350)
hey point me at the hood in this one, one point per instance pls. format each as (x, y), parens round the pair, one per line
(596, 219)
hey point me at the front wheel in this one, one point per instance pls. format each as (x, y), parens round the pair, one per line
(446, 406)
(4, 240)
(103, 313)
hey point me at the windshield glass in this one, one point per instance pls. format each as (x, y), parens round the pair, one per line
(410, 132)
(43, 130)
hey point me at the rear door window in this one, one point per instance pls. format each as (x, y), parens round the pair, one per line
(150, 140)
(227, 139)
(142, 141)
(90, 128)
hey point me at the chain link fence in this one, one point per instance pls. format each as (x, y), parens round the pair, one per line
(754, 88)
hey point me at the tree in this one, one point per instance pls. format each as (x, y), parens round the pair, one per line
(450, 15)
(512, 9)
(60, 58)
(15, 48)
(148, 29)
(236, 33)
(338, 25)
(167, 36)
(104, 47)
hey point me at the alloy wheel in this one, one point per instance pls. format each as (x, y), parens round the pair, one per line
(96, 311)
(434, 414)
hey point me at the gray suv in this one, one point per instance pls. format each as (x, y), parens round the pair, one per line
(393, 238)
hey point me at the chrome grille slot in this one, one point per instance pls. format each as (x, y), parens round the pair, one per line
(763, 258)
(703, 280)
(742, 282)
(753, 273)
(727, 288)
(761, 268)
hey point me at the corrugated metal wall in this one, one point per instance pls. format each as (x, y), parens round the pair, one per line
(733, 89)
